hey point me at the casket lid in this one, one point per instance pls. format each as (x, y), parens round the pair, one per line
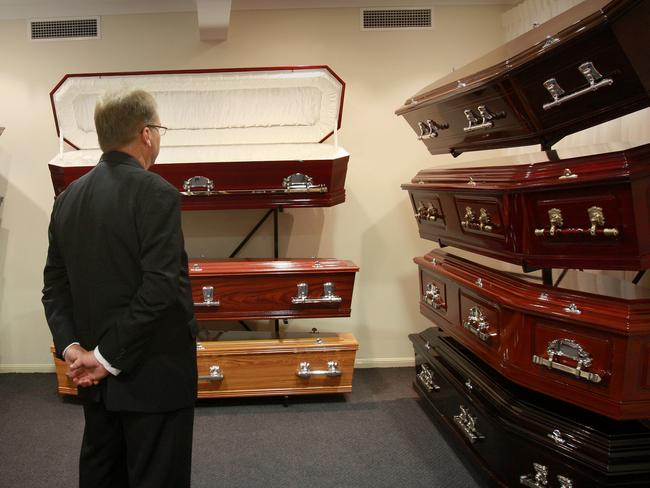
(208, 107)
(267, 266)
(549, 35)
(571, 166)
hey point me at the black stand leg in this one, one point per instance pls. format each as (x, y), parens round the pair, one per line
(250, 234)
(244, 325)
(547, 277)
(560, 278)
(638, 277)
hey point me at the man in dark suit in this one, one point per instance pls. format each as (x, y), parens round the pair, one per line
(118, 302)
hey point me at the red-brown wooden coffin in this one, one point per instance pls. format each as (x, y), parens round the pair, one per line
(518, 437)
(581, 212)
(583, 67)
(238, 289)
(237, 138)
(243, 184)
(587, 349)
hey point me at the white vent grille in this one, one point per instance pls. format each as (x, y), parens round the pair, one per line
(53, 29)
(408, 18)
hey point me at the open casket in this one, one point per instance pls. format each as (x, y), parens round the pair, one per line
(238, 138)
(583, 67)
(258, 288)
(568, 209)
(586, 341)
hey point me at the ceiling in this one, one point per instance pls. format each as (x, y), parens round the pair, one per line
(213, 15)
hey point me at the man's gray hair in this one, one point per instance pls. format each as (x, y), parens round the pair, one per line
(120, 116)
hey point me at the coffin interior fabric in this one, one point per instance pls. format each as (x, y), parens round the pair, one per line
(216, 154)
(258, 107)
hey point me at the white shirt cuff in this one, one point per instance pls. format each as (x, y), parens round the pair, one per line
(106, 364)
(68, 346)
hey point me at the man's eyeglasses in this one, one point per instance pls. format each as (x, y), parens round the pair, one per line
(161, 129)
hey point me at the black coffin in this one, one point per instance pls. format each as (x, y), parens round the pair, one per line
(518, 438)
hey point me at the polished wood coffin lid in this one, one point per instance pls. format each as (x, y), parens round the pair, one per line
(508, 82)
(521, 195)
(590, 449)
(586, 341)
(262, 288)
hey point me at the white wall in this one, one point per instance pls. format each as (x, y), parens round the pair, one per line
(374, 227)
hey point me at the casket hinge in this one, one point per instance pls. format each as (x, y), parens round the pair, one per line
(591, 74)
(305, 371)
(329, 295)
(467, 423)
(570, 349)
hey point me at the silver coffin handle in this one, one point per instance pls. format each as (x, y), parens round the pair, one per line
(198, 185)
(426, 377)
(478, 324)
(564, 481)
(302, 297)
(570, 349)
(208, 298)
(487, 119)
(539, 479)
(301, 183)
(432, 296)
(215, 374)
(467, 424)
(305, 371)
(591, 74)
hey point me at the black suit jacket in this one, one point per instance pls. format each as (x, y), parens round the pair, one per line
(116, 277)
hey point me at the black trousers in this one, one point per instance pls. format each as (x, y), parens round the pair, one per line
(136, 450)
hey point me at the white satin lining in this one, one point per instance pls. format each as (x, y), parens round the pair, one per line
(258, 107)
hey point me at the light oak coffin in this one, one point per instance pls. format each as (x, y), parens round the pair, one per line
(582, 211)
(581, 68)
(589, 349)
(313, 364)
(258, 288)
(240, 364)
(237, 138)
(515, 437)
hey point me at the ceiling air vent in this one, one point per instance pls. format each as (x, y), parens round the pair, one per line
(53, 29)
(405, 18)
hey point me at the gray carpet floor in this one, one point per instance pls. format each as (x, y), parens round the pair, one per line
(377, 436)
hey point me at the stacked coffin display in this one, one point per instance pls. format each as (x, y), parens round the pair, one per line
(242, 138)
(539, 378)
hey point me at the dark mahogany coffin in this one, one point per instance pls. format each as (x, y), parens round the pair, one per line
(583, 67)
(237, 138)
(239, 289)
(589, 347)
(578, 212)
(518, 438)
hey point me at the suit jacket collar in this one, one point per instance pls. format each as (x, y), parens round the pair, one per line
(118, 157)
